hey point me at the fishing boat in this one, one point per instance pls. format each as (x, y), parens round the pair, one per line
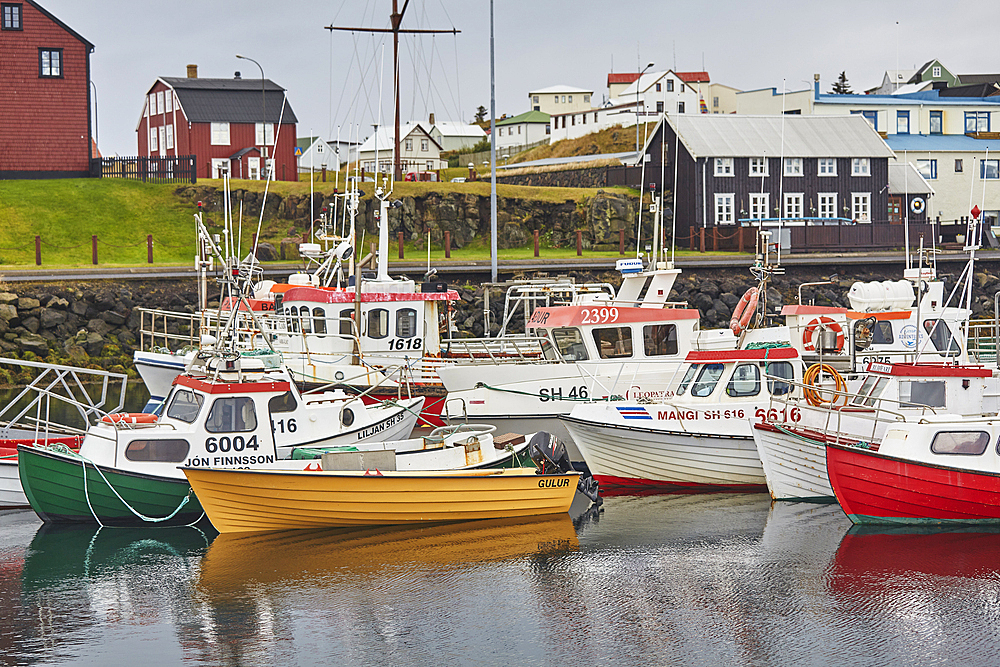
(226, 411)
(700, 436)
(941, 469)
(794, 431)
(264, 500)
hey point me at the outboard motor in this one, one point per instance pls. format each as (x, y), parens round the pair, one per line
(549, 454)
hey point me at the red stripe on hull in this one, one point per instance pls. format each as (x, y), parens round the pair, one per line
(638, 483)
(875, 488)
(431, 414)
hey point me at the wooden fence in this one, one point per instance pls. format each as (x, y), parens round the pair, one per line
(180, 169)
(812, 238)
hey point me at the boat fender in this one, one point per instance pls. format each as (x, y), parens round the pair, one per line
(130, 418)
(744, 311)
(807, 336)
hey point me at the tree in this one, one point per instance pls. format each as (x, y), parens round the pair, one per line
(481, 114)
(840, 86)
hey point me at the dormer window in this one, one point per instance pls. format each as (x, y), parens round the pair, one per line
(11, 14)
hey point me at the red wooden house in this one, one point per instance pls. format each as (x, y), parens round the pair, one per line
(44, 95)
(244, 125)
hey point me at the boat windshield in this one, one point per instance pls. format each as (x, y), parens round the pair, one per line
(707, 379)
(941, 337)
(745, 381)
(185, 405)
(569, 340)
(777, 371)
(688, 376)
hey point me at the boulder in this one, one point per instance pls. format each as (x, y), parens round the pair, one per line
(32, 324)
(80, 307)
(27, 303)
(113, 318)
(33, 343)
(98, 326)
(51, 318)
(8, 298)
(266, 252)
(57, 302)
(8, 313)
(94, 344)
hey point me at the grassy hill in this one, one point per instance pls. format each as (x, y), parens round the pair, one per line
(611, 140)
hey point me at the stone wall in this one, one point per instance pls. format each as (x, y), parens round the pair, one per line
(594, 177)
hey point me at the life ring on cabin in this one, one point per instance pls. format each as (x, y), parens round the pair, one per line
(807, 336)
(130, 418)
(744, 311)
(917, 205)
(813, 392)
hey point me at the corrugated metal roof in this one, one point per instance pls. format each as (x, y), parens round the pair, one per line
(693, 77)
(560, 89)
(231, 100)
(527, 117)
(730, 135)
(622, 77)
(940, 142)
(905, 179)
(454, 129)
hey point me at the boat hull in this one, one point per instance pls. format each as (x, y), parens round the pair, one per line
(875, 488)
(11, 494)
(54, 486)
(794, 463)
(630, 456)
(252, 501)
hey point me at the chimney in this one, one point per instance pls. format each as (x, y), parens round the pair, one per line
(816, 85)
(431, 119)
(192, 71)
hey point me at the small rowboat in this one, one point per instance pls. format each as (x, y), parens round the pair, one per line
(264, 500)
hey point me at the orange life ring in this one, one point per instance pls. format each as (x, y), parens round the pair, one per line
(130, 418)
(744, 311)
(807, 336)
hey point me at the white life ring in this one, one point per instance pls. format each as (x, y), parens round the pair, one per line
(917, 205)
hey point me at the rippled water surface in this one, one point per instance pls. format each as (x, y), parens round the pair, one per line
(668, 579)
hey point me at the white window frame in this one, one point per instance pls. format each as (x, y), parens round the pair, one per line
(936, 71)
(263, 134)
(724, 166)
(861, 166)
(793, 166)
(253, 168)
(408, 143)
(724, 205)
(758, 205)
(170, 137)
(861, 206)
(161, 106)
(826, 166)
(827, 204)
(152, 104)
(793, 205)
(152, 140)
(168, 99)
(220, 134)
(757, 166)
(163, 138)
(424, 144)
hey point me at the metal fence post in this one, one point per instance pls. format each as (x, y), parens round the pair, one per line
(93, 249)
(38, 250)
(149, 248)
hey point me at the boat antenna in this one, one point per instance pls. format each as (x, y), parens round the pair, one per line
(493, 153)
(906, 212)
(673, 215)
(781, 172)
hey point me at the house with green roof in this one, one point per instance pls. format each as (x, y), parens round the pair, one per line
(518, 132)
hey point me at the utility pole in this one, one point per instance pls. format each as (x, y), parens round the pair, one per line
(396, 19)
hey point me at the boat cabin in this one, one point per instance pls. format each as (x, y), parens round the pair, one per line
(718, 377)
(967, 390)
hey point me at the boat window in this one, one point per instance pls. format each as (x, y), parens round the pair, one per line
(941, 337)
(346, 318)
(168, 451)
(569, 340)
(234, 414)
(185, 406)
(292, 316)
(882, 333)
(782, 370)
(876, 391)
(745, 381)
(866, 387)
(969, 443)
(918, 393)
(688, 376)
(707, 379)
(282, 403)
(659, 339)
(319, 320)
(306, 320)
(613, 342)
(378, 323)
(406, 323)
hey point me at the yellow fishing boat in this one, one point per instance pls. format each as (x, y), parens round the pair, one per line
(261, 500)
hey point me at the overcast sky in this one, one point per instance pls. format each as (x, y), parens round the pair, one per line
(334, 79)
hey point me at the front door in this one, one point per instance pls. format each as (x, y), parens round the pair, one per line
(253, 168)
(220, 166)
(896, 210)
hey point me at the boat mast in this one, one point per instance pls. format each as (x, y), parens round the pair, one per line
(396, 18)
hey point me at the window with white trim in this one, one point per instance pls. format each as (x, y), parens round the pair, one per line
(152, 139)
(220, 134)
(161, 105)
(424, 145)
(723, 166)
(263, 134)
(724, 209)
(163, 139)
(860, 166)
(168, 100)
(861, 206)
(936, 71)
(826, 166)
(758, 205)
(408, 143)
(170, 137)
(793, 205)
(758, 166)
(793, 166)
(827, 204)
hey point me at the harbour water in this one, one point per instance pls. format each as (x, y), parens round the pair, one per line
(659, 579)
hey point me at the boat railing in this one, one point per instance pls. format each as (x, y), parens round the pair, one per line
(90, 393)
(169, 330)
(504, 350)
(836, 406)
(981, 341)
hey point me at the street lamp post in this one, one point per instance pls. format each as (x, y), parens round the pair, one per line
(637, 109)
(263, 111)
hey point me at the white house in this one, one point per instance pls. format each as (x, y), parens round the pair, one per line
(315, 154)
(517, 132)
(560, 99)
(453, 136)
(417, 149)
